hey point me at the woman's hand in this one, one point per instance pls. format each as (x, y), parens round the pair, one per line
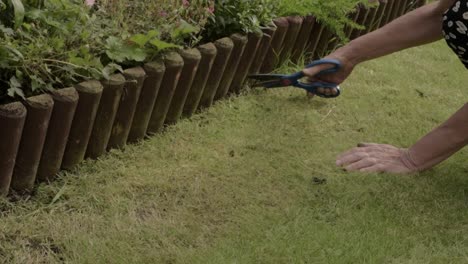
(338, 77)
(370, 157)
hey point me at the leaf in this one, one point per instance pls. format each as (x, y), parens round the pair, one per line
(153, 34)
(110, 69)
(36, 82)
(138, 55)
(58, 195)
(140, 39)
(161, 45)
(19, 12)
(6, 31)
(15, 88)
(183, 30)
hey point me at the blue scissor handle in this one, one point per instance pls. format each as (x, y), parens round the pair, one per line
(312, 87)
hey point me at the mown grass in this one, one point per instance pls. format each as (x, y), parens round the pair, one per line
(253, 180)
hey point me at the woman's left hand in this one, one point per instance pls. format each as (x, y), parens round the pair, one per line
(371, 157)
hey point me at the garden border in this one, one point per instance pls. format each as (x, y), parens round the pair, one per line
(39, 139)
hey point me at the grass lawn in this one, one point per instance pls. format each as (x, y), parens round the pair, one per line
(253, 180)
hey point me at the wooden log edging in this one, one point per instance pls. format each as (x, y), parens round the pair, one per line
(208, 54)
(295, 24)
(90, 93)
(246, 61)
(224, 47)
(240, 42)
(39, 110)
(174, 64)
(127, 107)
(191, 59)
(303, 37)
(274, 51)
(108, 106)
(65, 103)
(154, 75)
(12, 118)
(268, 34)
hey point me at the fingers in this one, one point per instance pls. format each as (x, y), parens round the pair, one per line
(388, 167)
(371, 157)
(375, 145)
(327, 91)
(311, 72)
(361, 164)
(310, 95)
(350, 157)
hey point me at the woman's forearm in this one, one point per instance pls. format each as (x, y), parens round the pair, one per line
(421, 26)
(440, 143)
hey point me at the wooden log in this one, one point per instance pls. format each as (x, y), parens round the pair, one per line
(12, 118)
(65, 103)
(39, 110)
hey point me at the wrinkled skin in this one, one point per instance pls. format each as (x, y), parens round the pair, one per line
(371, 157)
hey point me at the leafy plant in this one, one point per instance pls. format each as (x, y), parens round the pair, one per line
(331, 13)
(178, 22)
(233, 16)
(58, 43)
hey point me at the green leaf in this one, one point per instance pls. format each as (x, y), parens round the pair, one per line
(161, 45)
(183, 30)
(138, 55)
(6, 31)
(19, 12)
(15, 88)
(153, 34)
(36, 82)
(110, 69)
(140, 39)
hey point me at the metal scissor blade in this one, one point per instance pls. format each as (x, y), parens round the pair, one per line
(270, 80)
(266, 77)
(268, 84)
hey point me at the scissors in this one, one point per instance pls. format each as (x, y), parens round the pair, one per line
(283, 80)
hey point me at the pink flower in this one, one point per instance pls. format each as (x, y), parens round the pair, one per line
(90, 2)
(185, 3)
(163, 13)
(210, 9)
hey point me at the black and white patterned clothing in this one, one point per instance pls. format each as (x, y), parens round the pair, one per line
(455, 29)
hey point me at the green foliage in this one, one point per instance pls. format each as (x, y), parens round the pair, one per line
(58, 43)
(334, 13)
(48, 44)
(233, 16)
(178, 22)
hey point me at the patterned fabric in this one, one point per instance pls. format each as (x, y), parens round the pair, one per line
(455, 29)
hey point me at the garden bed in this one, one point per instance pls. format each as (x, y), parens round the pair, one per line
(62, 129)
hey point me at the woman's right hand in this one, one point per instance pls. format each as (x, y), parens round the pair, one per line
(338, 77)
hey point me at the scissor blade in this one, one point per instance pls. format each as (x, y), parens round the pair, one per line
(268, 84)
(266, 77)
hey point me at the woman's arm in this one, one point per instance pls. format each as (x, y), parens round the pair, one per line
(421, 26)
